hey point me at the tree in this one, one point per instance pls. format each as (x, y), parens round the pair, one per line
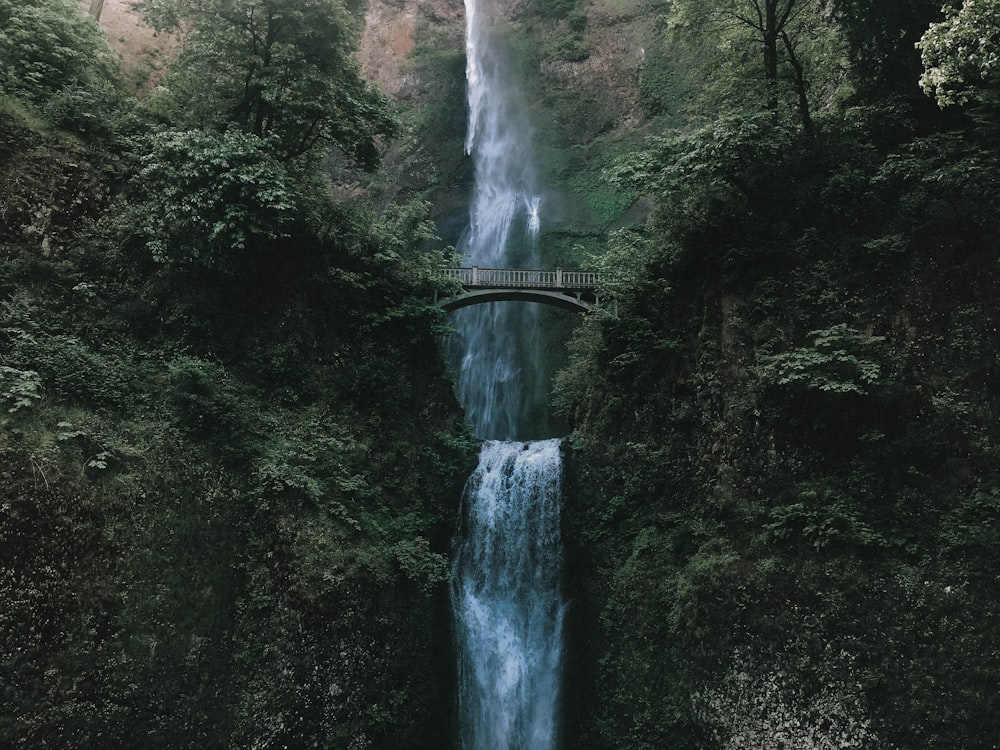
(959, 54)
(281, 70)
(778, 29)
(205, 200)
(770, 20)
(47, 46)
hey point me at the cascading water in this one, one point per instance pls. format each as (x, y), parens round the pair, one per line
(500, 381)
(506, 596)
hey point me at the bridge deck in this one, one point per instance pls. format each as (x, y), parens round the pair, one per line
(524, 279)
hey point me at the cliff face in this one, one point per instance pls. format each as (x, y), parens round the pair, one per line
(581, 66)
(413, 50)
(394, 29)
(608, 59)
(614, 41)
(144, 52)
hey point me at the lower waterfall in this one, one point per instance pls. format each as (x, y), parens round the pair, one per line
(506, 595)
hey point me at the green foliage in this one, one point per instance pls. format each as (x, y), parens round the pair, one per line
(718, 194)
(209, 405)
(427, 569)
(671, 80)
(49, 46)
(768, 499)
(69, 370)
(823, 517)
(572, 383)
(280, 71)
(837, 361)
(970, 531)
(606, 202)
(209, 200)
(881, 37)
(211, 509)
(53, 55)
(717, 156)
(21, 388)
(438, 125)
(777, 55)
(571, 48)
(959, 54)
(555, 9)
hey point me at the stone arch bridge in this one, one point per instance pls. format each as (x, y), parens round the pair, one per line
(570, 290)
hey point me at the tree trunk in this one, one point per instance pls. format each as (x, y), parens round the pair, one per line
(96, 6)
(770, 41)
(799, 79)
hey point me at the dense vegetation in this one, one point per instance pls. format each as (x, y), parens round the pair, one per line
(229, 454)
(786, 510)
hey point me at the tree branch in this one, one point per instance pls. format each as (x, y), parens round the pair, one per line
(799, 79)
(785, 16)
(742, 19)
(760, 15)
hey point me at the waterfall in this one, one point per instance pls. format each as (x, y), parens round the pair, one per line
(506, 596)
(507, 601)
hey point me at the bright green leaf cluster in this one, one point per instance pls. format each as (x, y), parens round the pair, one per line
(838, 360)
(47, 46)
(204, 198)
(961, 55)
(21, 388)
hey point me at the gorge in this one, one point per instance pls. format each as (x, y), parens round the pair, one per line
(233, 452)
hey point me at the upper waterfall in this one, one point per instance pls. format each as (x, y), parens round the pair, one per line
(499, 345)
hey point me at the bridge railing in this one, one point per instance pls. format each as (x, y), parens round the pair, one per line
(519, 277)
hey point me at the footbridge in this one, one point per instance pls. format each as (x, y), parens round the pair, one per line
(570, 290)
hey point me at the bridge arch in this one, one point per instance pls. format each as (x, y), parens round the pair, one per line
(563, 300)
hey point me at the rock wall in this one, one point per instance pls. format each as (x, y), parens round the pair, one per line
(143, 51)
(614, 40)
(393, 30)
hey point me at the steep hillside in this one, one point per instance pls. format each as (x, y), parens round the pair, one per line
(144, 52)
(786, 500)
(217, 527)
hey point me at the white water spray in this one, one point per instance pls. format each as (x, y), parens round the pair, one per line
(506, 595)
